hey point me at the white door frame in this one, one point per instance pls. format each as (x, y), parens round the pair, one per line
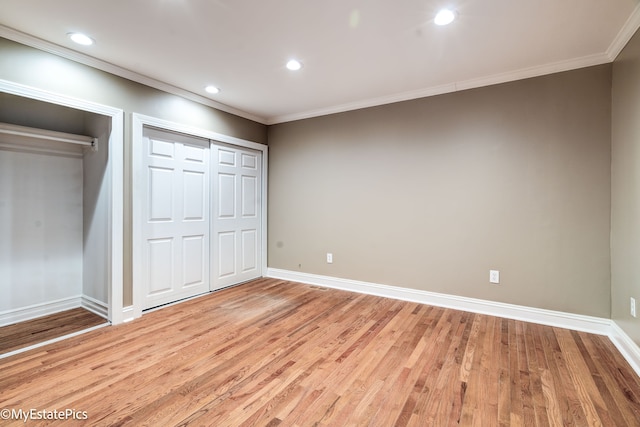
(115, 170)
(138, 185)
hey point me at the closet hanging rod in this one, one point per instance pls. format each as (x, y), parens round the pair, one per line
(48, 135)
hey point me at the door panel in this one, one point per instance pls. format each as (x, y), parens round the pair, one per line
(193, 263)
(160, 265)
(177, 221)
(249, 250)
(226, 254)
(226, 196)
(237, 223)
(194, 196)
(249, 196)
(160, 200)
(226, 157)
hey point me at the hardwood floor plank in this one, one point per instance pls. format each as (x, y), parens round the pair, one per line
(590, 397)
(607, 374)
(24, 334)
(278, 353)
(536, 367)
(505, 388)
(473, 374)
(522, 364)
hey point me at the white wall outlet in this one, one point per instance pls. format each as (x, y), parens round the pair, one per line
(633, 306)
(329, 258)
(494, 276)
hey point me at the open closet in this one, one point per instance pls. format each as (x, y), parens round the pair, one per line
(54, 210)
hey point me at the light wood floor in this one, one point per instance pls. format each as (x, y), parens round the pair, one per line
(273, 353)
(30, 332)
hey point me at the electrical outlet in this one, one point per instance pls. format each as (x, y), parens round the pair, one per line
(633, 306)
(494, 276)
(329, 258)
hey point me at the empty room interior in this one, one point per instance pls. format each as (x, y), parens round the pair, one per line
(240, 213)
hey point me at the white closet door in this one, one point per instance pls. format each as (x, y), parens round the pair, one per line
(236, 210)
(176, 218)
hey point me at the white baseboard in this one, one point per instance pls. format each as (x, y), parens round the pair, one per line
(626, 346)
(128, 314)
(595, 325)
(10, 317)
(95, 306)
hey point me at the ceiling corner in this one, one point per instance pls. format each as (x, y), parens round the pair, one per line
(624, 35)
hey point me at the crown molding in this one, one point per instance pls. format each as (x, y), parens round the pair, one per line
(523, 73)
(622, 38)
(365, 103)
(624, 35)
(35, 42)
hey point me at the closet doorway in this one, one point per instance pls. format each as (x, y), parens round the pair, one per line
(199, 212)
(59, 189)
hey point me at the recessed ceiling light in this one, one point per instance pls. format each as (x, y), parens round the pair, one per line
(294, 65)
(444, 17)
(82, 39)
(212, 89)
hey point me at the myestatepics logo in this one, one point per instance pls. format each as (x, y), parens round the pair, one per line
(42, 414)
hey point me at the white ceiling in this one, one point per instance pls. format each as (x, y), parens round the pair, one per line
(356, 53)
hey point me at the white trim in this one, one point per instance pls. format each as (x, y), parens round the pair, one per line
(142, 120)
(537, 71)
(493, 79)
(115, 170)
(264, 201)
(53, 340)
(595, 325)
(626, 346)
(34, 311)
(95, 306)
(128, 314)
(622, 38)
(365, 103)
(578, 322)
(624, 35)
(29, 40)
(137, 128)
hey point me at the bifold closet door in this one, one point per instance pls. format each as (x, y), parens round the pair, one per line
(236, 210)
(176, 220)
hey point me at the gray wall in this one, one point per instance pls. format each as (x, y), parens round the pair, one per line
(625, 195)
(32, 67)
(430, 194)
(96, 202)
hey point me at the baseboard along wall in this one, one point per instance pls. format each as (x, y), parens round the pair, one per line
(22, 314)
(595, 325)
